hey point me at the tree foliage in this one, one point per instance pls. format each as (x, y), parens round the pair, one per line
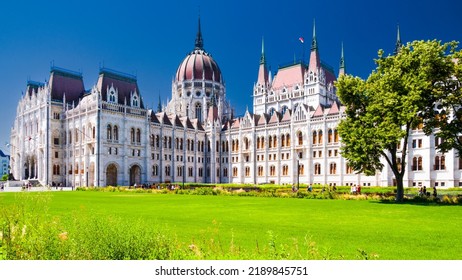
(396, 98)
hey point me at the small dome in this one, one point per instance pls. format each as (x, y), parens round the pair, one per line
(198, 65)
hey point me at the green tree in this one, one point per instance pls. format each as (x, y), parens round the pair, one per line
(445, 119)
(382, 111)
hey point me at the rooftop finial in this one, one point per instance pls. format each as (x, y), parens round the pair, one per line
(342, 63)
(314, 43)
(199, 41)
(262, 58)
(398, 42)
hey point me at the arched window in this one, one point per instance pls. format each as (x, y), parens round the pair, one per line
(315, 137)
(335, 135)
(275, 141)
(285, 170)
(247, 171)
(333, 168)
(288, 140)
(317, 168)
(116, 133)
(262, 142)
(440, 163)
(270, 142)
(155, 170)
(258, 142)
(94, 132)
(132, 135)
(300, 138)
(138, 136)
(330, 136)
(283, 140)
(271, 111)
(199, 112)
(320, 137)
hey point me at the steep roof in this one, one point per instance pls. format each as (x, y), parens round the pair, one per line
(319, 111)
(66, 82)
(287, 116)
(289, 76)
(275, 118)
(126, 84)
(334, 109)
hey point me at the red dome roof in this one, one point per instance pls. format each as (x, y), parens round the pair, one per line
(198, 65)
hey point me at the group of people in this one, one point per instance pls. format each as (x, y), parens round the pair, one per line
(355, 189)
(423, 192)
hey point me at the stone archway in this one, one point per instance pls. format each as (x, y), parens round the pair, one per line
(135, 175)
(111, 175)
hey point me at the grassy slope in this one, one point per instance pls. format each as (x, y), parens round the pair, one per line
(340, 227)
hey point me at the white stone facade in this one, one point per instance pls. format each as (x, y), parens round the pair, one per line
(66, 135)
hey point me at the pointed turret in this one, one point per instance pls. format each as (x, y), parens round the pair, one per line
(398, 42)
(314, 42)
(199, 45)
(262, 71)
(342, 69)
(159, 106)
(315, 61)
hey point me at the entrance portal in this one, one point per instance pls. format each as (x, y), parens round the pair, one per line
(111, 175)
(135, 175)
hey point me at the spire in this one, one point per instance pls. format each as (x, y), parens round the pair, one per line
(342, 63)
(315, 61)
(159, 106)
(262, 71)
(199, 41)
(314, 42)
(262, 58)
(398, 42)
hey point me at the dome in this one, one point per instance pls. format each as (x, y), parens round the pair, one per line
(198, 65)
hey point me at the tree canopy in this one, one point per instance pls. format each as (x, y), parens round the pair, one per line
(398, 96)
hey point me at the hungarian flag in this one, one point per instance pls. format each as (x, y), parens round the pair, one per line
(301, 40)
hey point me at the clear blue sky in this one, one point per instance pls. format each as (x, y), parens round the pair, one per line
(151, 38)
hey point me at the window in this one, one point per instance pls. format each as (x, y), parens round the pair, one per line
(155, 170)
(272, 170)
(416, 163)
(285, 170)
(301, 169)
(330, 136)
(317, 168)
(138, 136)
(440, 163)
(167, 170)
(349, 169)
(56, 141)
(198, 110)
(288, 140)
(132, 135)
(225, 172)
(283, 140)
(109, 132)
(320, 137)
(234, 171)
(315, 137)
(300, 138)
(260, 171)
(116, 133)
(333, 168)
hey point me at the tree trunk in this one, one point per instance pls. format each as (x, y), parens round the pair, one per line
(399, 189)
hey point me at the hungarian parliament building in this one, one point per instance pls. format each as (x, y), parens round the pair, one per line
(66, 135)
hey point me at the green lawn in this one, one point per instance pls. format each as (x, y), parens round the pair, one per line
(339, 228)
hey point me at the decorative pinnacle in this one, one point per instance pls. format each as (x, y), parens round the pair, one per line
(314, 42)
(342, 59)
(199, 45)
(262, 58)
(398, 42)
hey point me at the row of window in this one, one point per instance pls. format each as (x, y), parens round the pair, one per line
(317, 138)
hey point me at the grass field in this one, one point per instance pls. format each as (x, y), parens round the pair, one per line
(245, 226)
